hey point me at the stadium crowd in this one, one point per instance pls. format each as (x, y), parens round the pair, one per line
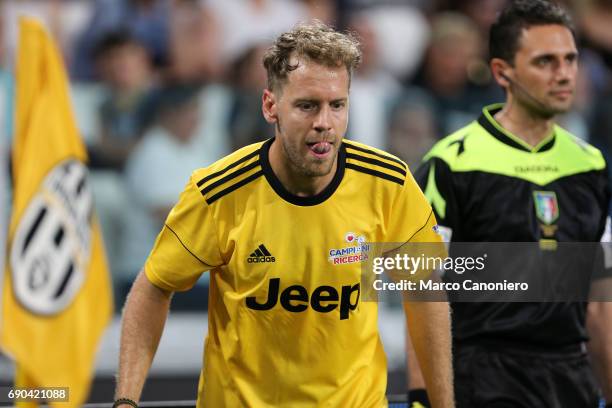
(162, 87)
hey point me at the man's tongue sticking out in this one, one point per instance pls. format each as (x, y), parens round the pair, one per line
(320, 148)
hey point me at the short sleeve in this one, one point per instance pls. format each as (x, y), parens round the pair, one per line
(413, 232)
(411, 218)
(187, 245)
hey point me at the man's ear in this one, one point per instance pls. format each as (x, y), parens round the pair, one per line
(500, 70)
(269, 106)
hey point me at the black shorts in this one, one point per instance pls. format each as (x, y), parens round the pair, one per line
(498, 377)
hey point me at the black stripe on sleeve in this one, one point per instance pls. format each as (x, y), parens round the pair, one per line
(229, 177)
(233, 187)
(231, 166)
(376, 163)
(187, 249)
(419, 230)
(375, 173)
(361, 149)
(424, 225)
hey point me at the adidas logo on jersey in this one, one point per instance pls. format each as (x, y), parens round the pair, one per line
(261, 255)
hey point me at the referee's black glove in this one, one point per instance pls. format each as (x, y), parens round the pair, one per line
(417, 398)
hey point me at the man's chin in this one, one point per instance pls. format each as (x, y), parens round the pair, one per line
(318, 169)
(561, 108)
(552, 111)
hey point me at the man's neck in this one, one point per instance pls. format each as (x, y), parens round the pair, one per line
(290, 177)
(527, 126)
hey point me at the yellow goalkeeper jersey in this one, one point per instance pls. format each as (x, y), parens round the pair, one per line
(286, 324)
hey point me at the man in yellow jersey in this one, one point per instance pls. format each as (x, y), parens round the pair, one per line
(277, 224)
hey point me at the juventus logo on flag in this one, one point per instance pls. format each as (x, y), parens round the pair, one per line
(51, 248)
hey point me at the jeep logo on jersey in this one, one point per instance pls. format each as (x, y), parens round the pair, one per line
(51, 245)
(295, 298)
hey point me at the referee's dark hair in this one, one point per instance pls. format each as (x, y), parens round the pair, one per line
(111, 41)
(505, 33)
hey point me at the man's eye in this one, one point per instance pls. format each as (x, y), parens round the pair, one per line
(543, 61)
(307, 106)
(338, 105)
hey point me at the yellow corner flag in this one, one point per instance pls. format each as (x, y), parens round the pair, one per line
(56, 298)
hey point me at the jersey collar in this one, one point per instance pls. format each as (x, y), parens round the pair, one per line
(278, 187)
(488, 122)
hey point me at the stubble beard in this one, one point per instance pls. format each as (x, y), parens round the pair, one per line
(545, 111)
(302, 165)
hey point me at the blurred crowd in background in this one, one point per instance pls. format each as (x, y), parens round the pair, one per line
(162, 87)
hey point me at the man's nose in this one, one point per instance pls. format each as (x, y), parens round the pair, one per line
(566, 72)
(323, 120)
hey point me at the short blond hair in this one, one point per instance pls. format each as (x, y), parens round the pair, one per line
(316, 41)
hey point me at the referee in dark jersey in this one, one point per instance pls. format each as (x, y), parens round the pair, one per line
(514, 176)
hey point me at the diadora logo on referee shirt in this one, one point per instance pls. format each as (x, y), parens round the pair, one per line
(261, 255)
